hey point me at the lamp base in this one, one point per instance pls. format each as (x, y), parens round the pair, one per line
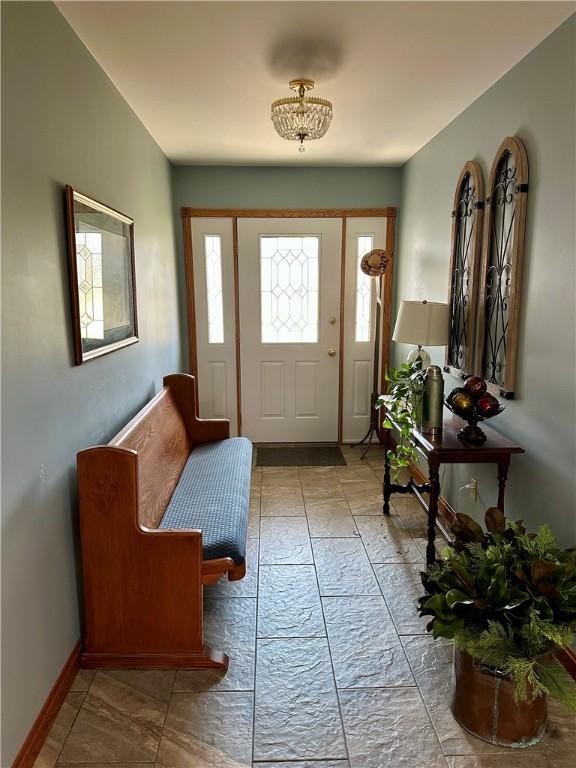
(419, 352)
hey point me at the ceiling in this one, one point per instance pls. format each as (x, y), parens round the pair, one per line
(201, 75)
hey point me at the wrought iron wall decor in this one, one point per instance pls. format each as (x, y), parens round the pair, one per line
(501, 270)
(467, 217)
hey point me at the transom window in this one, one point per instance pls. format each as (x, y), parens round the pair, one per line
(364, 244)
(289, 273)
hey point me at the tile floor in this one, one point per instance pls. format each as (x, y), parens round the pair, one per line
(330, 664)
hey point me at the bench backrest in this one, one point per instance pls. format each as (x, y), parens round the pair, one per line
(158, 434)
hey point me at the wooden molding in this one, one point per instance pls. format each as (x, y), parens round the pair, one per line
(190, 300)
(237, 326)
(30, 750)
(388, 289)
(295, 213)
(473, 171)
(341, 359)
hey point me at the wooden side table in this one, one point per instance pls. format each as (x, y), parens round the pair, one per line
(448, 449)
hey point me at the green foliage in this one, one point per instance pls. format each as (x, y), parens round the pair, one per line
(508, 598)
(403, 405)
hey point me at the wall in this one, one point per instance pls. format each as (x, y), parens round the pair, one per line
(64, 122)
(285, 187)
(535, 101)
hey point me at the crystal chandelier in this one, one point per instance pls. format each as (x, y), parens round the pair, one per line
(301, 118)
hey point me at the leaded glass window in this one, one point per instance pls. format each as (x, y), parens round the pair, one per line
(364, 244)
(90, 293)
(214, 296)
(289, 278)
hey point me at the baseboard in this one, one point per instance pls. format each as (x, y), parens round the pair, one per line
(30, 750)
(207, 659)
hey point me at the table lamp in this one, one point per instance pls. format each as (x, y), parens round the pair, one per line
(423, 323)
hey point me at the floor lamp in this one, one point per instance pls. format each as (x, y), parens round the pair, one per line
(374, 264)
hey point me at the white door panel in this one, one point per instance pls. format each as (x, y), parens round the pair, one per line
(289, 287)
(213, 256)
(362, 235)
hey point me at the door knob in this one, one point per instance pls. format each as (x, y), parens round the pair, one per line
(332, 352)
(332, 321)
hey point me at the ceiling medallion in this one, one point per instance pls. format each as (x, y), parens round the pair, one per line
(301, 118)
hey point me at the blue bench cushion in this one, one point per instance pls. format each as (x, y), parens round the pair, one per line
(213, 495)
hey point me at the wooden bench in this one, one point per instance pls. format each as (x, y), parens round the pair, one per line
(143, 584)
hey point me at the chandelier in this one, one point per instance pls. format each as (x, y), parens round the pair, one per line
(301, 118)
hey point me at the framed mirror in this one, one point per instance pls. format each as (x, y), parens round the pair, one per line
(102, 277)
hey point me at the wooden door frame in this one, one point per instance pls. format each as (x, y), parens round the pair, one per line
(187, 214)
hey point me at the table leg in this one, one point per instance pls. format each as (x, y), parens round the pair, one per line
(503, 465)
(432, 511)
(386, 483)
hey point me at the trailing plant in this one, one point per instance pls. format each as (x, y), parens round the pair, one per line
(403, 407)
(508, 598)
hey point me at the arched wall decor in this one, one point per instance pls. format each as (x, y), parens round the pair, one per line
(501, 270)
(467, 217)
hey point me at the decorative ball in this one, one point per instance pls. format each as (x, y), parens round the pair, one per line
(463, 404)
(488, 405)
(455, 391)
(475, 386)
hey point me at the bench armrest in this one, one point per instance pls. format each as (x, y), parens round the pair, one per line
(206, 430)
(199, 430)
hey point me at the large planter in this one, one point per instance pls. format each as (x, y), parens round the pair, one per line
(483, 703)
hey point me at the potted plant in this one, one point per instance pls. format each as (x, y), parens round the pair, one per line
(404, 407)
(508, 599)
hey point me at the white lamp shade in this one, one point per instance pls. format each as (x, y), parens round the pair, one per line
(426, 323)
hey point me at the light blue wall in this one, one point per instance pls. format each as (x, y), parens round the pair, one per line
(282, 187)
(534, 101)
(63, 122)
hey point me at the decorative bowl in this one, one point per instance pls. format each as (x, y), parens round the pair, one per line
(471, 433)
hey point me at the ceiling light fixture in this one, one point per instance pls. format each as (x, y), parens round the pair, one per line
(301, 118)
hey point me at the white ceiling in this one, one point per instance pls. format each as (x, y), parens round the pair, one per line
(201, 75)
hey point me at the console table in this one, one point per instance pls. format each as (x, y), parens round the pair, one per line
(446, 448)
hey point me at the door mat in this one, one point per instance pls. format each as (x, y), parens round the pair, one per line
(299, 456)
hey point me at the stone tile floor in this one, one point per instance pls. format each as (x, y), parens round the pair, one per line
(330, 664)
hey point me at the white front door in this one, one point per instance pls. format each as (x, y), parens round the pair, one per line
(289, 291)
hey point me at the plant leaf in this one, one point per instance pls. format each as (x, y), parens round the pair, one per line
(495, 520)
(456, 597)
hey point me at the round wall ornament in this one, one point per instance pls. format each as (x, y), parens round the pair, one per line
(375, 262)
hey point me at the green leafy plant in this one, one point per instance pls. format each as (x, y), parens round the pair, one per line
(403, 407)
(508, 598)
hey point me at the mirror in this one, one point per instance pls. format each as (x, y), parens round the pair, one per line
(103, 291)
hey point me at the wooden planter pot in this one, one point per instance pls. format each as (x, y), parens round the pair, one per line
(483, 703)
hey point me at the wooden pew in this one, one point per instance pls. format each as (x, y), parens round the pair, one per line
(143, 586)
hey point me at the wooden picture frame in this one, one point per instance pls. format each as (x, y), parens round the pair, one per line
(102, 277)
(467, 220)
(501, 270)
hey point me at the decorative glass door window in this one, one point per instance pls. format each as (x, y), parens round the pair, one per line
(364, 244)
(214, 297)
(289, 276)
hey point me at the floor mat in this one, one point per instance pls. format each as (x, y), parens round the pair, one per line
(299, 456)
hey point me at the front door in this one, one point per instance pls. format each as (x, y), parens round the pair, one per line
(289, 302)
